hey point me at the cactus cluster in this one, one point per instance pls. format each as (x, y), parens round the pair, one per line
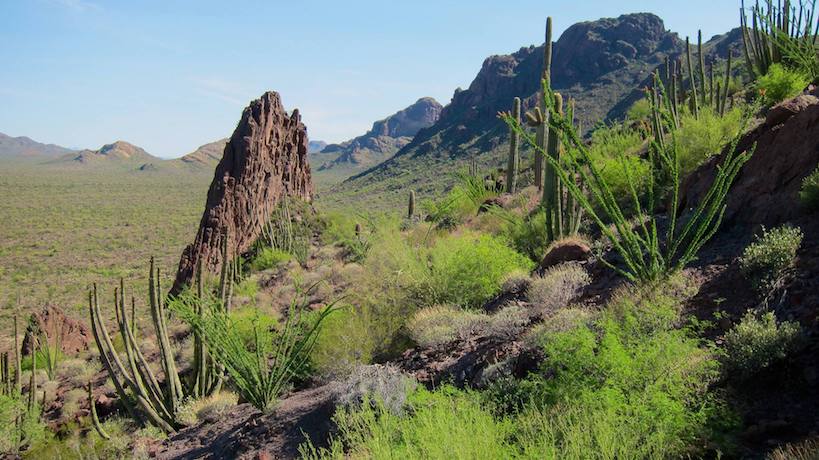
(703, 87)
(136, 384)
(771, 28)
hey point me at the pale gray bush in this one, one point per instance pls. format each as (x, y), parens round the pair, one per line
(557, 287)
(377, 384)
(508, 323)
(441, 324)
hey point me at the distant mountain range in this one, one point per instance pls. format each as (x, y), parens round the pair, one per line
(386, 137)
(27, 148)
(603, 65)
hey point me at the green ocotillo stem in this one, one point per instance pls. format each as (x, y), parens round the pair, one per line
(692, 82)
(514, 156)
(551, 200)
(701, 56)
(411, 204)
(542, 132)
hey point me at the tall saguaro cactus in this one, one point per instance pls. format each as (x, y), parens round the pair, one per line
(514, 154)
(542, 133)
(563, 215)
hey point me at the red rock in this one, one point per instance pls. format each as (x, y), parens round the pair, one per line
(264, 161)
(71, 335)
(568, 250)
(766, 190)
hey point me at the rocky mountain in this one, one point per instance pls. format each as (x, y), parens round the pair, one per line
(13, 147)
(603, 65)
(119, 153)
(315, 146)
(205, 156)
(386, 137)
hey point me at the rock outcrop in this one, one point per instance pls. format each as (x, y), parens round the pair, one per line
(265, 160)
(386, 137)
(70, 335)
(766, 191)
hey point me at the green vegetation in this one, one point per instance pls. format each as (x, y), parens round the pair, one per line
(765, 261)
(757, 342)
(262, 370)
(809, 193)
(780, 83)
(701, 138)
(267, 258)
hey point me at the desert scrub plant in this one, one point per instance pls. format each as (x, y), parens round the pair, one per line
(441, 324)
(267, 258)
(555, 288)
(209, 409)
(766, 261)
(469, 269)
(703, 137)
(444, 424)
(263, 371)
(526, 234)
(803, 450)
(757, 342)
(647, 255)
(780, 83)
(809, 193)
(508, 322)
(384, 386)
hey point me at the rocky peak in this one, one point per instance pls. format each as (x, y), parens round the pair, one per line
(264, 161)
(407, 122)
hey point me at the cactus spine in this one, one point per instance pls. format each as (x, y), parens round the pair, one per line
(411, 205)
(514, 154)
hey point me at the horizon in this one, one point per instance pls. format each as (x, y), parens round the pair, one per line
(179, 76)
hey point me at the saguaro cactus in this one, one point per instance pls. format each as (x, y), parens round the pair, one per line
(692, 83)
(562, 212)
(542, 133)
(514, 154)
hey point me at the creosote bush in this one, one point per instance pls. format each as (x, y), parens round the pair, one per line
(557, 287)
(809, 193)
(439, 325)
(766, 261)
(704, 136)
(756, 342)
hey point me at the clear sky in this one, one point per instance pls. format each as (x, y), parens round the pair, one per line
(171, 75)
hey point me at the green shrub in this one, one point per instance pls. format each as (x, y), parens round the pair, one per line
(640, 110)
(702, 137)
(756, 342)
(525, 234)
(765, 261)
(781, 83)
(247, 320)
(613, 151)
(445, 424)
(809, 193)
(267, 258)
(469, 269)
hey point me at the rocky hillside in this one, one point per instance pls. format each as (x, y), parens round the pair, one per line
(315, 146)
(601, 64)
(17, 147)
(386, 137)
(119, 153)
(206, 156)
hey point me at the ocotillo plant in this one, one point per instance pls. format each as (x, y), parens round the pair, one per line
(411, 205)
(136, 384)
(777, 34)
(514, 154)
(563, 216)
(647, 255)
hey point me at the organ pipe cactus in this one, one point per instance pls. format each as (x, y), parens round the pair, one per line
(514, 154)
(411, 205)
(94, 417)
(138, 387)
(773, 28)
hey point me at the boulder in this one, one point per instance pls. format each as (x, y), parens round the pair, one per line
(766, 190)
(264, 161)
(71, 335)
(567, 250)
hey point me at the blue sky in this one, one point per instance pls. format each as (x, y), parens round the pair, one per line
(172, 75)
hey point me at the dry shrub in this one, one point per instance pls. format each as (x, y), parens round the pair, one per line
(379, 384)
(804, 450)
(78, 371)
(557, 287)
(563, 320)
(441, 324)
(508, 323)
(206, 410)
